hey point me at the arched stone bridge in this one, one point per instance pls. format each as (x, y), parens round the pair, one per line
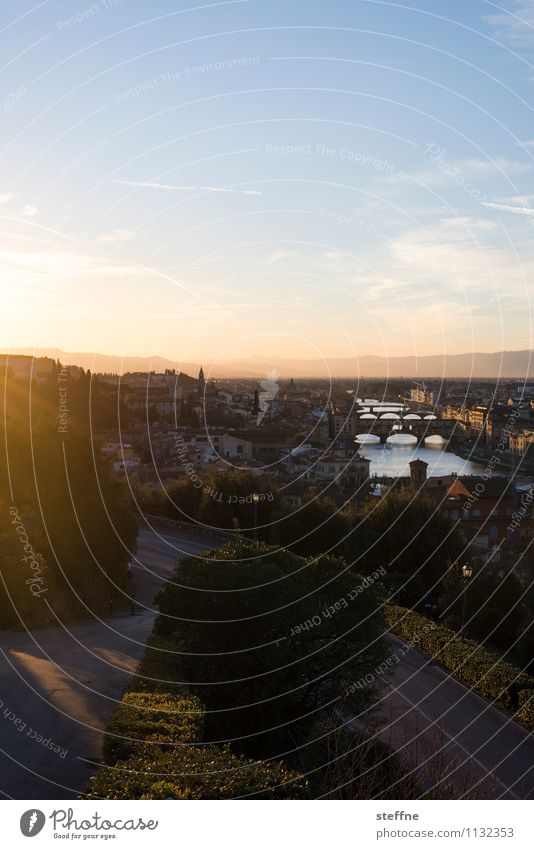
(419, 428)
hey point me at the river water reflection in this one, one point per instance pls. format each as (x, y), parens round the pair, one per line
(393, 460)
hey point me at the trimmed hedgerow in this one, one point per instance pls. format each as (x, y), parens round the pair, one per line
(526, 707)
(152, 746)
(480, 669)
(159, 669)
(210, 772)
(149, 719)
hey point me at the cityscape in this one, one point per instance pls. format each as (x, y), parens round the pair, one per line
(267, 421)
(415, 494)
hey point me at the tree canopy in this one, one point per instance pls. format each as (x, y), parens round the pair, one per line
(413, 539)
(66, 524)
(270, 639)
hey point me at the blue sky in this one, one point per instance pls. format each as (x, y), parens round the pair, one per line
(243, 179)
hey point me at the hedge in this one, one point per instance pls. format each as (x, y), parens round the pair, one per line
(210, 772)
(158, 671)
(152, 746)
(146, 719)
(526, 707)
(480, 669)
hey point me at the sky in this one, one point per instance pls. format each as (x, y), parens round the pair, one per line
(249, 179)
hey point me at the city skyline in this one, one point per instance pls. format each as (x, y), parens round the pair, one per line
(499, 365)
(338, 185)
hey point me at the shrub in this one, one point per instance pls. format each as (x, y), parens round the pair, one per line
(148, 719)
(342, 764)
(159, 669)
(526, 707)
(152, 751)
(270, 636)
(480, 669)
(210, 772)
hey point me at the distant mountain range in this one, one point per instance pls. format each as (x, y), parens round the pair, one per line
(503, 364)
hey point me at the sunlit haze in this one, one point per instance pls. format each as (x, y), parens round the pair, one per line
(247, 179)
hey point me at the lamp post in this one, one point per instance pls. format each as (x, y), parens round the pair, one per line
(255, 501)
(467, 571)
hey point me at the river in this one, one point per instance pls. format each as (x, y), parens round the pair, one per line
(393, 460)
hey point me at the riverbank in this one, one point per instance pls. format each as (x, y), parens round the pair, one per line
(505, 466)
(393, 460)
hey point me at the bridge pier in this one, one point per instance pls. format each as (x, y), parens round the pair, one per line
(420, 433)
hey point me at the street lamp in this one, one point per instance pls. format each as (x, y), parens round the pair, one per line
(467, 571)
(255, 500)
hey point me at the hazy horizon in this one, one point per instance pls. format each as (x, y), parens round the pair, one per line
(483, 365)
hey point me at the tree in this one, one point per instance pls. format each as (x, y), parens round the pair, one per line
(494, 610)
(343, 764)
(228, 495)
(188, 416)
(316, 527)
(256, 403)
(270, 639)
(62, 509)
(411, 538)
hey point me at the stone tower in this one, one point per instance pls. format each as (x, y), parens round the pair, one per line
(418, 473)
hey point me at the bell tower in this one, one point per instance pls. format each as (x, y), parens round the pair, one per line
(418, 473)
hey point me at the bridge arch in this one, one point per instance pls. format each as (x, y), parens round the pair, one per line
(435, 439)
(402, 439)
(368, 438)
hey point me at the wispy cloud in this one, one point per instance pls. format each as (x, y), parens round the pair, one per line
(34, 224)
(490, 166)
(5, 197)
(279, 255)
(117, 236)
(515, 200)
(468, 169)
(170, 188)
(340, 262)
(516, 24)
(29, 211)
(58, 263)
(462, 266)
(504, 207)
